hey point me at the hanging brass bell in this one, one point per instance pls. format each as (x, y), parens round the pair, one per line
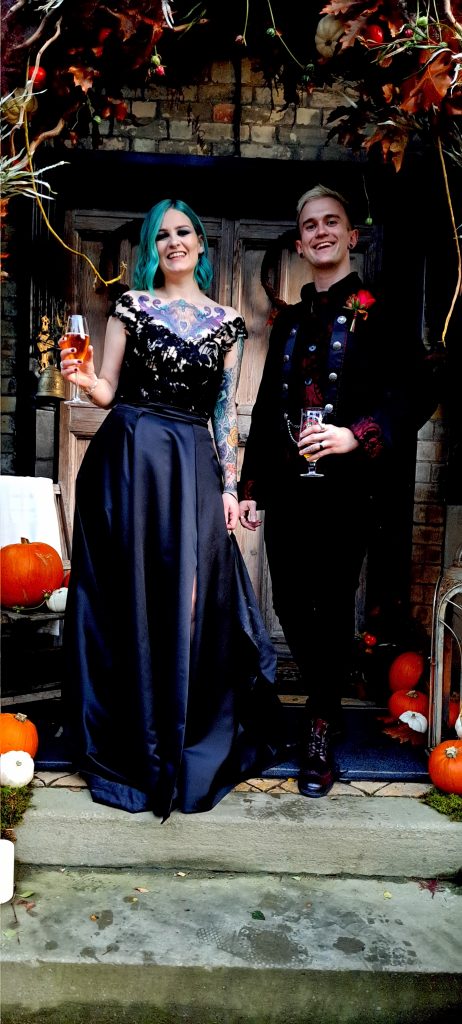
(51, 384)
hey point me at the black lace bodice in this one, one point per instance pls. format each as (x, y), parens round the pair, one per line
(182, 369)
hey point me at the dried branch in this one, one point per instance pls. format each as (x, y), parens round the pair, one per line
(30, 84)
(450, 16)
(35, 35)
(50, 134)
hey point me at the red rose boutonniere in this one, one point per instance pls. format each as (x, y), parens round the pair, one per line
(360, 304)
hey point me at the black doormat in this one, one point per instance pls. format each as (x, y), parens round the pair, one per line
(363, 751)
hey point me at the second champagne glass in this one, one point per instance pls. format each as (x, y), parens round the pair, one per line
(314, 414)
(76, 336)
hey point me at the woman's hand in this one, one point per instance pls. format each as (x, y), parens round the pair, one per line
(319, 439)
(231, 508)
(248, 515)
(78, 371)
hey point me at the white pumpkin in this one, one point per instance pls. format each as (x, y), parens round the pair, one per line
(458, 725)
(414, 720)
(328, 33)
(56, 602)
(16, 768)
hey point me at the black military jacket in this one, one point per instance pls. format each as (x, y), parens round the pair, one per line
(321, 353)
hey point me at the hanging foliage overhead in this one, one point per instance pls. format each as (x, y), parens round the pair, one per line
(402, 60)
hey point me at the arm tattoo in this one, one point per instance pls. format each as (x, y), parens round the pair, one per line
(225, 421)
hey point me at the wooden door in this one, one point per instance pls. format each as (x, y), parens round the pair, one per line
(237, 249)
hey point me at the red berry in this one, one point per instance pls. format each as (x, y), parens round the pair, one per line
(370, 639)
(120, 111)
(39, 77)
(374, 34)
(159, 70)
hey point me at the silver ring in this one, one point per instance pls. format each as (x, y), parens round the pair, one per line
(321, 446)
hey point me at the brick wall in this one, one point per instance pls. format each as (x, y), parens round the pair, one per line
(8, 358)
(428, 532)
(217, 117)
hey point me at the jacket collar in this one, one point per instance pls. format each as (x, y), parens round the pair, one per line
(338, 292)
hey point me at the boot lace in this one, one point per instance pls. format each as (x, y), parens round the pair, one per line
(318, 740)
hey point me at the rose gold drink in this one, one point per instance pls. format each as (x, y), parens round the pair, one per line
(77, 337)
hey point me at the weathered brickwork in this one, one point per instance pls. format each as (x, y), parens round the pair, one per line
(429, 517)
(8, 361)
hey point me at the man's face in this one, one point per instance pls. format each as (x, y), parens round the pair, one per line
(325, 234)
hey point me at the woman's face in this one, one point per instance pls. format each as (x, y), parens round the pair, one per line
(178, 245)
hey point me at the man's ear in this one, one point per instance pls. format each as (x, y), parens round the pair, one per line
(354, 235)
(299, 247)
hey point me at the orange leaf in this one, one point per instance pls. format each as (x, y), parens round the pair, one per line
(393, 142)
(429, 87)
(83, 77)
(404, 734)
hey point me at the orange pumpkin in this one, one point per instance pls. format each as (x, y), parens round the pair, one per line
(405, 671)
(28, 572)
(17, 732)
(408, 700)
(445, 766)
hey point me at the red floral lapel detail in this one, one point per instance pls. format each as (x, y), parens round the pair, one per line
(360, 304)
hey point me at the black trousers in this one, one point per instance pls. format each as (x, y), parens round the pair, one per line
(316, 534)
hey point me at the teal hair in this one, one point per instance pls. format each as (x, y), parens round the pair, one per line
(147, 274)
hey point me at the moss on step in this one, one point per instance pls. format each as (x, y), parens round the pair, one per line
(14, 803)
(445, 803)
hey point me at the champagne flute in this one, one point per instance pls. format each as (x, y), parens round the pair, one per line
(314, 414)
(76, 336)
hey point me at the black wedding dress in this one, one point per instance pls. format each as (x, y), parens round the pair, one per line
(161, 720)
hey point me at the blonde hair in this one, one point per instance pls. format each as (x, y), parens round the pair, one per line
(322, 192)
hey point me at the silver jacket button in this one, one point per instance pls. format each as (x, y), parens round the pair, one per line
(341, 319)
(332, 376)
(328, 408)
(286, 359)
(285, 387)
(336, 345)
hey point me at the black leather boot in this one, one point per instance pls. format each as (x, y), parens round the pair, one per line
(316, 776)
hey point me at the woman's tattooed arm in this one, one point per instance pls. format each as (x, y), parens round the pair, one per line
(224, 418)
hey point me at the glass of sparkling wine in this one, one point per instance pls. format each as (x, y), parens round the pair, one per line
(308, 417)
(76, 336)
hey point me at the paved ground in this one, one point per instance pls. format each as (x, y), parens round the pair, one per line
(227, 948)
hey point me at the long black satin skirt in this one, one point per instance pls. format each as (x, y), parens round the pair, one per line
(162, 717)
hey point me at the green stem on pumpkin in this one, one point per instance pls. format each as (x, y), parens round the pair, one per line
(458, 288)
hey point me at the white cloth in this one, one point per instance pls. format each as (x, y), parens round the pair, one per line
(28, 509)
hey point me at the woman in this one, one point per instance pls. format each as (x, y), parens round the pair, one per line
(170, 668)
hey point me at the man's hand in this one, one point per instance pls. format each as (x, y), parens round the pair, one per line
(325, 439)
(248, 515)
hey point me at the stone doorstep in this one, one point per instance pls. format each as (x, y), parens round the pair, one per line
(248, 831)
(170, 946)
(274, 787)
(54, 780)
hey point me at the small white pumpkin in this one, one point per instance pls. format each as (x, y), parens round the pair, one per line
(458, 725)
(414, 720)
(16, 768)
(56, 602)
(328, 33)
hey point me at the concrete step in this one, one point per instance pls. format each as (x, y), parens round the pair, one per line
(247, 832)
(162, 947)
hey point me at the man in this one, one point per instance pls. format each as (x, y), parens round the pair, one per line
(330, 350)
